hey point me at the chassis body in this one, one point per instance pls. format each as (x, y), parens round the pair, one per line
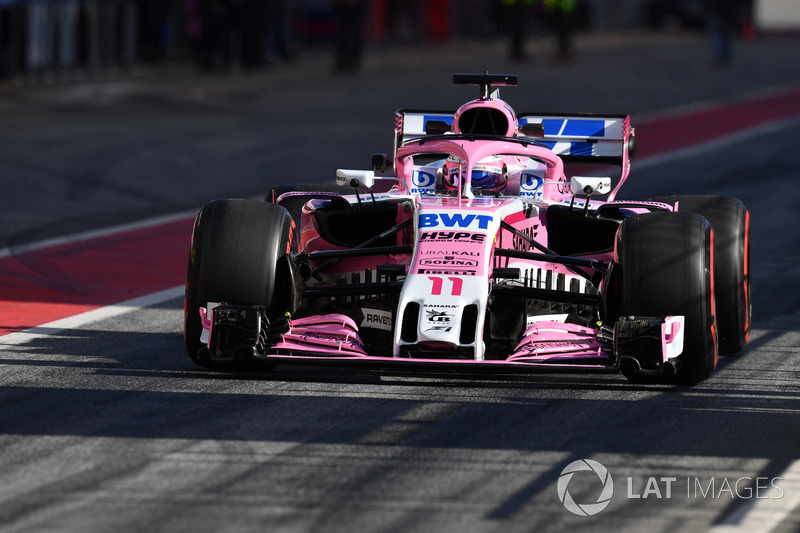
(540, 277)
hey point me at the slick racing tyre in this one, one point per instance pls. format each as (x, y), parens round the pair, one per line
(239, 255)
(730, 221)
(664, 267)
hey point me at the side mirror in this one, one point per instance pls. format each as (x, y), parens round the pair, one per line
(533, 130)
(355, 178)
(380, 163)
(436, 127)
(590, 185)
(632, 144)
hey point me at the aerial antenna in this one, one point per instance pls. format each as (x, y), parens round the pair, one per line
(486, 81)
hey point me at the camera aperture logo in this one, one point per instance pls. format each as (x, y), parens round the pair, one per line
(606, 493)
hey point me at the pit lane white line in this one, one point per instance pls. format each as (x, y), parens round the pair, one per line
(93, 234)
(762, 515)
(76, 321)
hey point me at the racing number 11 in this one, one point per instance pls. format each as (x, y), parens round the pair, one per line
(439, 282)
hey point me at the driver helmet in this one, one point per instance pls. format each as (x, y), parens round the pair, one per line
(489, 173)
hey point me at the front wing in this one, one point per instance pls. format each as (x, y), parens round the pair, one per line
(648, 345)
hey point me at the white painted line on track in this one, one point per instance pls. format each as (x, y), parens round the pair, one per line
(76, 321)
(94, 234)
(103, 232)
(762, 515)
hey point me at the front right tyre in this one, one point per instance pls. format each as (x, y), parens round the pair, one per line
(238, 256)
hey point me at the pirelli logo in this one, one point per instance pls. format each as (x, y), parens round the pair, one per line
(449, 272)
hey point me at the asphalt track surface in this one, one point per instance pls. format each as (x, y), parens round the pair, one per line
(106, 425)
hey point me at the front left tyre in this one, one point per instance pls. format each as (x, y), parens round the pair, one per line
(664, 266)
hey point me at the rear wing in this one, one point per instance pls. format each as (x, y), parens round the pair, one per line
(583, 138)
(411, 124)
(576, 138)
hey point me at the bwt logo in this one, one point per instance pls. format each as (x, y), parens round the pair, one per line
(530, 184)
(424, 180)
(460, 220)
(585, 509)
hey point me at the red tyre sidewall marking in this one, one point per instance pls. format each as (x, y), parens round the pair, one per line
(713, 299)
(747, 276)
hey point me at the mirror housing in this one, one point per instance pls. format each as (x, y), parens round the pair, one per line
(380, 163)
(436, 127)
(590, 185)
(533, 130)
(355, 178)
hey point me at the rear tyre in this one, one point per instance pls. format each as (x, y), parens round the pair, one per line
(238, 256)
(731, 223)
(664, 267)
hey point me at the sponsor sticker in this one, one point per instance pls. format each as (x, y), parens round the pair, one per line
(448, 261)
(465, 237)
(454, 220)
(377, 319)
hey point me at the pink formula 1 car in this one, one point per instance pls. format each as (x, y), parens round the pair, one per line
(471, 248)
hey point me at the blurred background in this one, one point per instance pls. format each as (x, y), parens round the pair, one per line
(71, 40)
(116, 111)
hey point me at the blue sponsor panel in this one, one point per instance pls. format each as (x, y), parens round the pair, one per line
(581, 149)
(581, 136)
(572, 127)
(584, 128)
(444, 118)
(552, 126)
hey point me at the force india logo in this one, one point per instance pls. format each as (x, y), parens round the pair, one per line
(438, 320)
